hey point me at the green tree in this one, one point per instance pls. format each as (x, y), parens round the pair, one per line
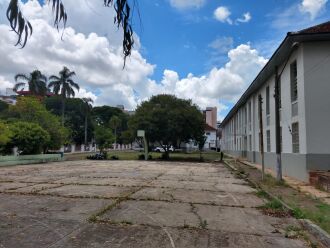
(30, 109)
(103, 114)
(28, 137)
(5, 136)
(75, 117)
(168, 121)
(127, 137)
(64, 86)
(87, 109)
(36, 81)
(114, 124)
(3, 106)
(200, 141)
(103, 137)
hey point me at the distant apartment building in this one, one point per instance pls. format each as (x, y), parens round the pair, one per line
(10, 97)
(210, 115)
(303, 63)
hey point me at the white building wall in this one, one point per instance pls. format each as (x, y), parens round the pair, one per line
(293, 164)
(317, 95)
(211, 139)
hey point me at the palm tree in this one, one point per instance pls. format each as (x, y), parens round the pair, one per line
(114, 124)
(36, 81)
(63, 86)
(87, 109)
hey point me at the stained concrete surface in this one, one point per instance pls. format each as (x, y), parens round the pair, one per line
(133, 204)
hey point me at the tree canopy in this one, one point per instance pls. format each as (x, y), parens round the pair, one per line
(29, 138)
(30, 109)
(36, 81)
(168, 120)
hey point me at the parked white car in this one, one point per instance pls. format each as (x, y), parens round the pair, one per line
(161, 149)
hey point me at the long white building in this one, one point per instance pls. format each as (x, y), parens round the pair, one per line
(303, 62)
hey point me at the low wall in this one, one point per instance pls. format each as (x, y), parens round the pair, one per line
(29, 159)
(293, 165)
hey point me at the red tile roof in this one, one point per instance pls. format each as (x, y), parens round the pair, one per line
(321, 28)
(207, 127)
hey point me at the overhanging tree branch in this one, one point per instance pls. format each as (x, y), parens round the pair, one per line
(23, 28)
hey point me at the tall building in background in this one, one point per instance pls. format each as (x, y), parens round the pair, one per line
(210, 115)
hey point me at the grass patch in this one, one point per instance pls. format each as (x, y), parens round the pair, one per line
(262, 194)
(273, 204)
(174, 156)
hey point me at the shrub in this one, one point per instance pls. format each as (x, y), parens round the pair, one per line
(142, 157)
(98, 156)
(29, 138)
(114, 157)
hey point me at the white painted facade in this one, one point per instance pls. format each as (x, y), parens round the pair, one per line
(240, 129)
(211, 137)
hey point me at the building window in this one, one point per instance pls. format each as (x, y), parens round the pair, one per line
(294, 82)
(295, 137)
(268, 140)
(208, 133)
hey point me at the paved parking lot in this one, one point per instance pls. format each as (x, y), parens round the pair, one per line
(133, 204)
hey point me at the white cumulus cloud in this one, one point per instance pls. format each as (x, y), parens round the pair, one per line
(312, 7)
(186, 4)
(222, 14)
(246, 18)
(98, 63)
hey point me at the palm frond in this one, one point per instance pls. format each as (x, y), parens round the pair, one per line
(18, 23)
(23, 27)
(17, 86)
(22, 77)
(73, 84)
(54, 78)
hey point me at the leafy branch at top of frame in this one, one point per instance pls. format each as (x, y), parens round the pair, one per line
(23, 28)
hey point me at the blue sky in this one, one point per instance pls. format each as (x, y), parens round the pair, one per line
(205, 50)
(179, 39)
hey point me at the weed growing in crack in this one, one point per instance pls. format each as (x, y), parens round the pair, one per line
(203, 224)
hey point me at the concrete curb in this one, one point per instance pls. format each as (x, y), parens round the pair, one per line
(312, 228)
(317, 232)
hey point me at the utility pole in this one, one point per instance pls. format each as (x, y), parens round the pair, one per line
(278, 127)
(261, 138)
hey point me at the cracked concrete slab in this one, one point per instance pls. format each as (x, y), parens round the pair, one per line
(154, 213)
(133, 204)
(35, 188)
(49, 207)
(13, 185)
(241, 220)
(101, 236)
(88, 191)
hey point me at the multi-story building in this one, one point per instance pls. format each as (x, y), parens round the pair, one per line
(302, 63)
(210, 115)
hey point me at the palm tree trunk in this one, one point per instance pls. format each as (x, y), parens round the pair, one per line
(63, 109)
(85, 130)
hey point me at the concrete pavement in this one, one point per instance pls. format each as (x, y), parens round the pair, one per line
(134, 204)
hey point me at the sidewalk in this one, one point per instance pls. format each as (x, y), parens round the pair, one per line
(296, 184)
